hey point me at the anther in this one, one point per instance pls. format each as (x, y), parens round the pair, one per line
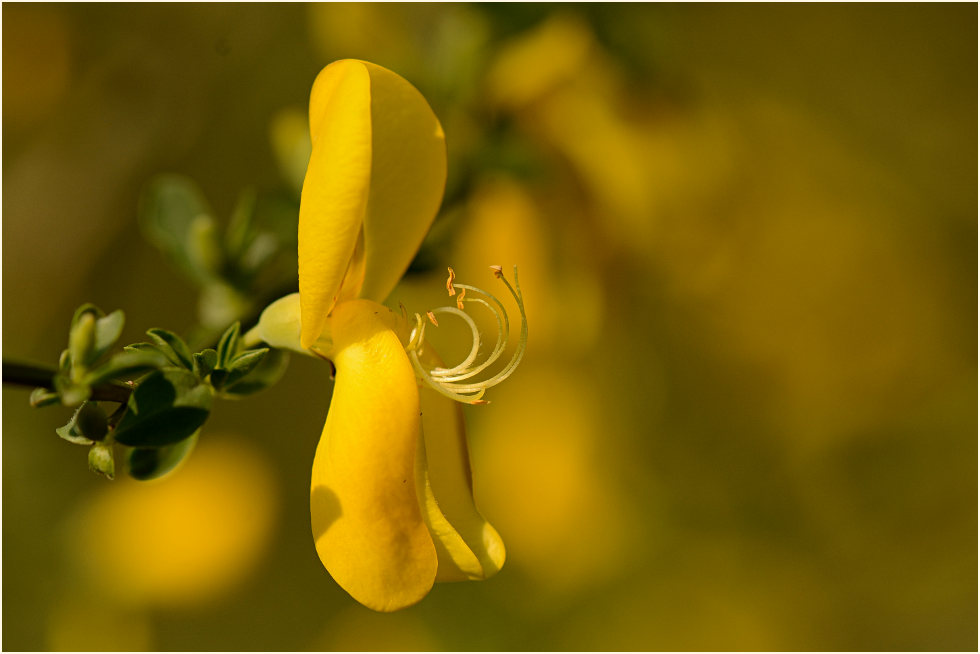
(449, 282)
(459, 300)
(498, 271)
(432, 318)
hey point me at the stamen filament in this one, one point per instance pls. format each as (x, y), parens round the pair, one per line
(445, 380)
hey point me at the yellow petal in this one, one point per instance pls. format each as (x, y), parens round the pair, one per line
(468, 546)
(374, 184)
(335, 191)
(365, 514)
(408, 178)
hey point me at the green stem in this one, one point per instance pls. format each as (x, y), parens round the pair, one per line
(29, 375)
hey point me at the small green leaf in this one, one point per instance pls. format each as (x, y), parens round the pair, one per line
(241, 227)
(147, 347)
(238, 368)
(202, 247)
(128, 364)
(245, 362)
(168, 206)
(262, 249)
(88, 307)
(43, 397)
(229, 345)
(108, 329)
(173, 346)
(81, 343)
(72, 393)
(145, 463)
(71, 432)
(64, 361)
(166, 407)
(269, 371)
(206, 361)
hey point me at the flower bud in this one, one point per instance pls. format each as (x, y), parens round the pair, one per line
(91, 421)
(81, 343)
(100, 460)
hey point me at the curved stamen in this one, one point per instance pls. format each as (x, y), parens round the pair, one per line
(446, 380)
(471, 357)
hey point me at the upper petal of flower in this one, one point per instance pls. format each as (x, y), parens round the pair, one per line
(408, 179)
(335, 191)
(374, 184)
(367, 523)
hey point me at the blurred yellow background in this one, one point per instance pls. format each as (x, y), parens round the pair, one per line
(747, 415)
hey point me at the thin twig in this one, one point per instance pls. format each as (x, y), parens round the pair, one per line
(28, 375)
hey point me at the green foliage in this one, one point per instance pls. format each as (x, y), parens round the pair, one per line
(230, 264)
(126, 364)
(167, 407)
(43, 397)
(266, 373)
(145, 463)
(238, 373)
(173, 347)
(162, 389)
(169, 206)
(71, 431)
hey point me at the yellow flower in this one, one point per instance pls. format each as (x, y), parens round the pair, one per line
(391, 499)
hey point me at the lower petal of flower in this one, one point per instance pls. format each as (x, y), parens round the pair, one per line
(468, 546)
(366, 517)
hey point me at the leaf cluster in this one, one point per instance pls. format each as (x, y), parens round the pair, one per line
(152, 397)
(234, 264)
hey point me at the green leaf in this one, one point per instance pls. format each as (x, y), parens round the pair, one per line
(128, 364)
(71, 431)
(88, 307)
(173, 346)
(238, 368)
(108, 329)
(145, 463)
(262, 249)
(166, 407)
(72, 393)
(269, 371)
(168, 206)
(81, 343)
(241, 228)
(43, 397)
(245, 362)
(202, 247)
(206, 361)
(64, 361)
(229, 345)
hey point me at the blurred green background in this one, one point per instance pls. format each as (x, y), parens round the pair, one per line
(747, 416)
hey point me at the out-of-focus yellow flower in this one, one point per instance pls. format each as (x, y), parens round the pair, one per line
(573, 525)
(391, 499)
(181, 540)
(568, 93)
